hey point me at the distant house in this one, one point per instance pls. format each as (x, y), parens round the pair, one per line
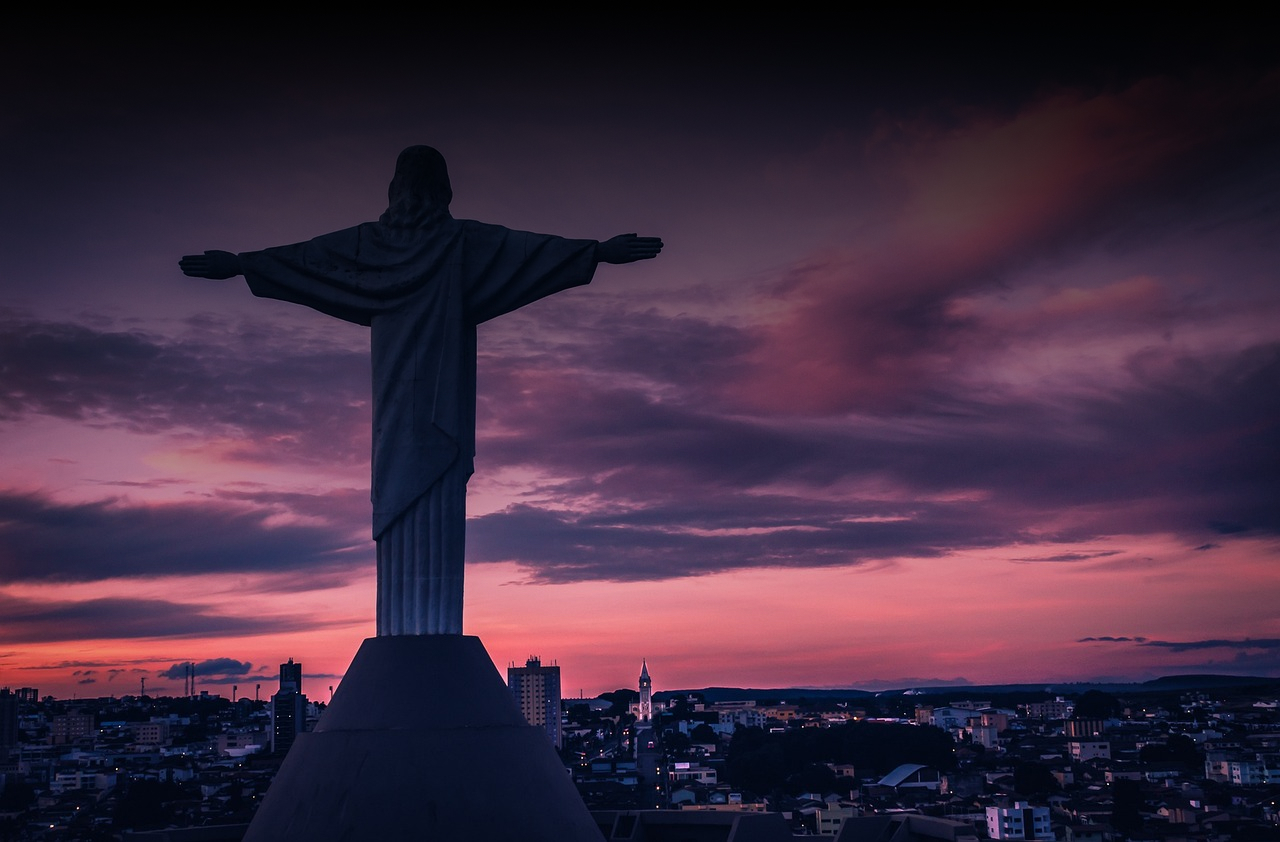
(1021, 821)
(1082, 750)
(682, 773)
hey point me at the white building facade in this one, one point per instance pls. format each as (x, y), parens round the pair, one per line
(1021, 821)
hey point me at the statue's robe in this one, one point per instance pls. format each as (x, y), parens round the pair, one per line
(422, 290)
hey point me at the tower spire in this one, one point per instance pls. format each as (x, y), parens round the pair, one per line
(645, 707)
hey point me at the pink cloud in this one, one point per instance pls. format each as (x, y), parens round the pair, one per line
(1140, 293)
(875, 327)
(996, 183)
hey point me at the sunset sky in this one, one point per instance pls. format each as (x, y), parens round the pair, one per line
(961, 363)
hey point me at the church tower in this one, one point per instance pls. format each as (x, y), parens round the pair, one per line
(645, 708)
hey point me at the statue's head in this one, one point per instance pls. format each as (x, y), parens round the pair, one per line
(420, 190)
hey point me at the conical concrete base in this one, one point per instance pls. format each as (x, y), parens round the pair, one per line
(422, 741)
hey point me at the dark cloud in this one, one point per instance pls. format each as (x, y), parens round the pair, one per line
(657, 480)
(278, 393)
(1071, 557)
(63, 665)
(348, 506)
(855, 339)
(1259, 656)
(612, 336)
(1227, 656)
(1245, 645)
(677, 541)
(221, 667)
(30, 620)
(158, 482)
(47, 541)
(1106, 638)
(1227, 528)
(666, 481)
(261, 678)
(570, 412)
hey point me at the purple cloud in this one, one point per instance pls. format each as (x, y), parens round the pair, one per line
(280, 395)
(45, 541)
(30, 620)
(1246, 644)
(220, 667)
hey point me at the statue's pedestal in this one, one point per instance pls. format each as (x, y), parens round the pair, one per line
(422, 741)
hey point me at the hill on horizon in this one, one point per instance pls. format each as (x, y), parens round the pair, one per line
(1162, 684)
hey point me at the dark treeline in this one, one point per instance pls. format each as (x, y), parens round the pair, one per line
(794, 761)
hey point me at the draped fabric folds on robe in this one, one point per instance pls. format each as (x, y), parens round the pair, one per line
(420, 561)
(422, 291)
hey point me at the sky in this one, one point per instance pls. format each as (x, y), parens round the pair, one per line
(960, 363)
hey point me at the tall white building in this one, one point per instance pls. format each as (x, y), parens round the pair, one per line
(1021, 821)
(537, 692)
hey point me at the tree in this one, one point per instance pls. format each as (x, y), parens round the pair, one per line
(1179, 748)
(1126, 806)
(1034, 779)
(17, 795)
(814, 777)
(146, 804)
(1095, 704)
(767, 762)
(620, 700)
(704, 733)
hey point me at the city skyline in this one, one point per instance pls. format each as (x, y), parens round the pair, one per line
(959, 365)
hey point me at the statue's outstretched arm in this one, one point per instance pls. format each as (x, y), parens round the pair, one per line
(628, 248)
(217, 265)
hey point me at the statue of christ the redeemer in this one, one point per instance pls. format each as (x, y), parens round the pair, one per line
(422, 281)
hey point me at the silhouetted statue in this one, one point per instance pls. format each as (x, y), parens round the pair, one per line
(422, 281)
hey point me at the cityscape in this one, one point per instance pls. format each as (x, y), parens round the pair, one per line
(923, 488)
(1182, 758)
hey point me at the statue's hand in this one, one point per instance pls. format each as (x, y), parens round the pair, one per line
(217, 265)
(628, 248)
